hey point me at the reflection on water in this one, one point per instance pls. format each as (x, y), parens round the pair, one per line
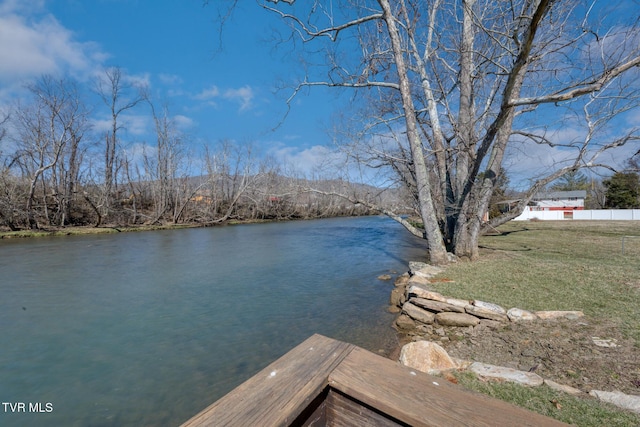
(149, 328)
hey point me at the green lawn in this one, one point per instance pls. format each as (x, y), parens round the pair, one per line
(554, 404)
(557, 265)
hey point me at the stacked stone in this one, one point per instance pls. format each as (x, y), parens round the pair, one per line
(419, 305)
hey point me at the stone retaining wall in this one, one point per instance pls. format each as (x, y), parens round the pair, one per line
(419, 305)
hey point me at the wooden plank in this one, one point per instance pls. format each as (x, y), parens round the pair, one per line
(419, 399)
(278, 394)
(344, 411)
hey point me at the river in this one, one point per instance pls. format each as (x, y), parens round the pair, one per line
(149, 328)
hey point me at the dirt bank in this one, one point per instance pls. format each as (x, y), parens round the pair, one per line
(560, 350)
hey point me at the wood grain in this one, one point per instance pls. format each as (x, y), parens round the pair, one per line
(278, 394)
(343, 411)
(418, 399)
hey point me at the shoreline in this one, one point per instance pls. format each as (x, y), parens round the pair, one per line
(55, 231)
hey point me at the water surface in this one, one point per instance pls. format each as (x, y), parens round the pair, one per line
(149, 328)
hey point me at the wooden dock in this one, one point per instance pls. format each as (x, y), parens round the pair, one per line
(324, 382)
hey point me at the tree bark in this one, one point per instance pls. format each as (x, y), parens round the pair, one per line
(437, 249)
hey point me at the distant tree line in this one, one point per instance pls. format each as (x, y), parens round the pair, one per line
(56, 170)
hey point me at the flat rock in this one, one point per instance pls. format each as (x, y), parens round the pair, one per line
(418, 280)
(458, 302)
(489, 306)
(605, 342)
(427, 272)
(384, 277)
(548, 315)
(402, 280)
(456, 319)
(513, 375)
(486, 313)
(397, 297)
(621, 400)
(518, 315)
(426, 356)
(421, 292)
(418, 314)
(435, 306)
(416, 265)
(423, 269)
(406, 323)
(563, 388)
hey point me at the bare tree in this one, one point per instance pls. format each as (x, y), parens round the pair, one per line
(449, 86)
(234, 186)
(3, 130)
(49, 132)
(119, 96)
(172, 186)
(8, 184)
(68, 170)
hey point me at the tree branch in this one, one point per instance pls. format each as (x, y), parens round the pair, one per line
(330, 32)
(594, 86)
(406, 224)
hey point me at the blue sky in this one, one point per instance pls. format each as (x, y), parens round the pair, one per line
(173, 46)
(213, 94)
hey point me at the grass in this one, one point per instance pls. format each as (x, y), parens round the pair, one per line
(562, 265)
(552, 403)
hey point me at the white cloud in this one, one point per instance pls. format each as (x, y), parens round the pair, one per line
(101, 125)
(183, 122)
(131, 124)
(138, 80)
(208, 94)
(317, 159)
(136, 124)
(243, 95)
(170, 79)
(21, 6)
(32, 45)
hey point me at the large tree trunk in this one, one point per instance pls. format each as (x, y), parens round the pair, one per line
(437, 249)
(476, 195)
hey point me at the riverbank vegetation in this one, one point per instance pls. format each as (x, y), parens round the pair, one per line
(57, 170)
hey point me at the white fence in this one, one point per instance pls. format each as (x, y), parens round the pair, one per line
(601, 214)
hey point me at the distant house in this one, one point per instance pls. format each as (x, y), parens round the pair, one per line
(564, 201)
(558, 201)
